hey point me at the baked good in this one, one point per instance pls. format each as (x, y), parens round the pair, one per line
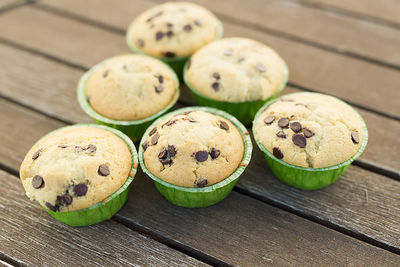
(75, 167)
(310, 130)
(173, 30)
(193, 149)
(131, 87)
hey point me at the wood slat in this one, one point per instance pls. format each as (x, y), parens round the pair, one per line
(29, 236)
(240, 230)
(310, 67)
(70, 40)
(55, 94)
(387, 10)
(8, 3)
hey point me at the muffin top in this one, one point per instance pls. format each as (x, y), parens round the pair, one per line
(193, 149)
(236, 70)
(173, 29)
(131, 87)
(76, 167)
(310, 130)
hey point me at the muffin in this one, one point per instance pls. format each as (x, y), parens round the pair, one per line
(237, 75)
(173, 31)
(127, 92)
(310, 131)
(195, 150)
(75, 168)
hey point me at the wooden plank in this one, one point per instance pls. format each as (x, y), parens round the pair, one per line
(30, 236)
(70, 40)
(4, 4)
(240, 230)
(40, 83)
(386, 10)
(55, 94)
(329, 72)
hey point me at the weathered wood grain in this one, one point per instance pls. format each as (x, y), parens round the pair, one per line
(70, 40)
(8, 3)
(310, 67)
(55, 94)
(240, 230)
(30, 236)
(387, 10)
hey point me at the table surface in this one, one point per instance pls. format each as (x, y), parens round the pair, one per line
(349, 49)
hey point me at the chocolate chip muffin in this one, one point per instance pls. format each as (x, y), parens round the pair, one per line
(310, 130)
(75, 167)
(193, 149)
(173, 30)
(236, 70)
(130, 87)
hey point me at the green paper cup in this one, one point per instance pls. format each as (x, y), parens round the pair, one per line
(178, 63)
(205, 196)
(307, 178)
(243, 111)
(105, 209)
(134, 129)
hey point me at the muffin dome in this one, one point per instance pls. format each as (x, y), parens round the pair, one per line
(76, 167)
(236, 70)
(310, 130)
(173, 29)
(193, 149)
(130, 87)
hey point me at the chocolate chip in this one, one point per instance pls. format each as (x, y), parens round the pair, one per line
(105, 73)
(283, 122)
(216, 75)
(163, 154)
(167, 161)
(192, 120)
(64, 200)
(51, 207)
(277, 153)
(170, 25)
(354, 137)
(187, 112)
(80, 189)
(37, 154)
(154, 139)
(223, 125)
(228, 52)
(62, 146)
(145, 145)
(159, 88)
(169, 123)
(198, 22)
(153, 131)
(269, 120)
(307, 133)
(159, 35)
(214, 153)
(201, 156)
(91, 148)
(299, 140)
(171, 150)
(37, 182)
(169, 34)
(241, 60)
(187, 28)
(160, 78)
(201, 182)
(260, 67)
(281, 134)
(295, 126)
(103, 170)
(215, 86)
(169, 54)
(140, 42)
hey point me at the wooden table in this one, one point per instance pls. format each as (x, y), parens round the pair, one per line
(350, 49)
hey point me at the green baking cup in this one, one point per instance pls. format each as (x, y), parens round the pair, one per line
(134, 129)
(108, 207)
(190, 197)
(307, 178)
(243, 111)
(176, 63)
